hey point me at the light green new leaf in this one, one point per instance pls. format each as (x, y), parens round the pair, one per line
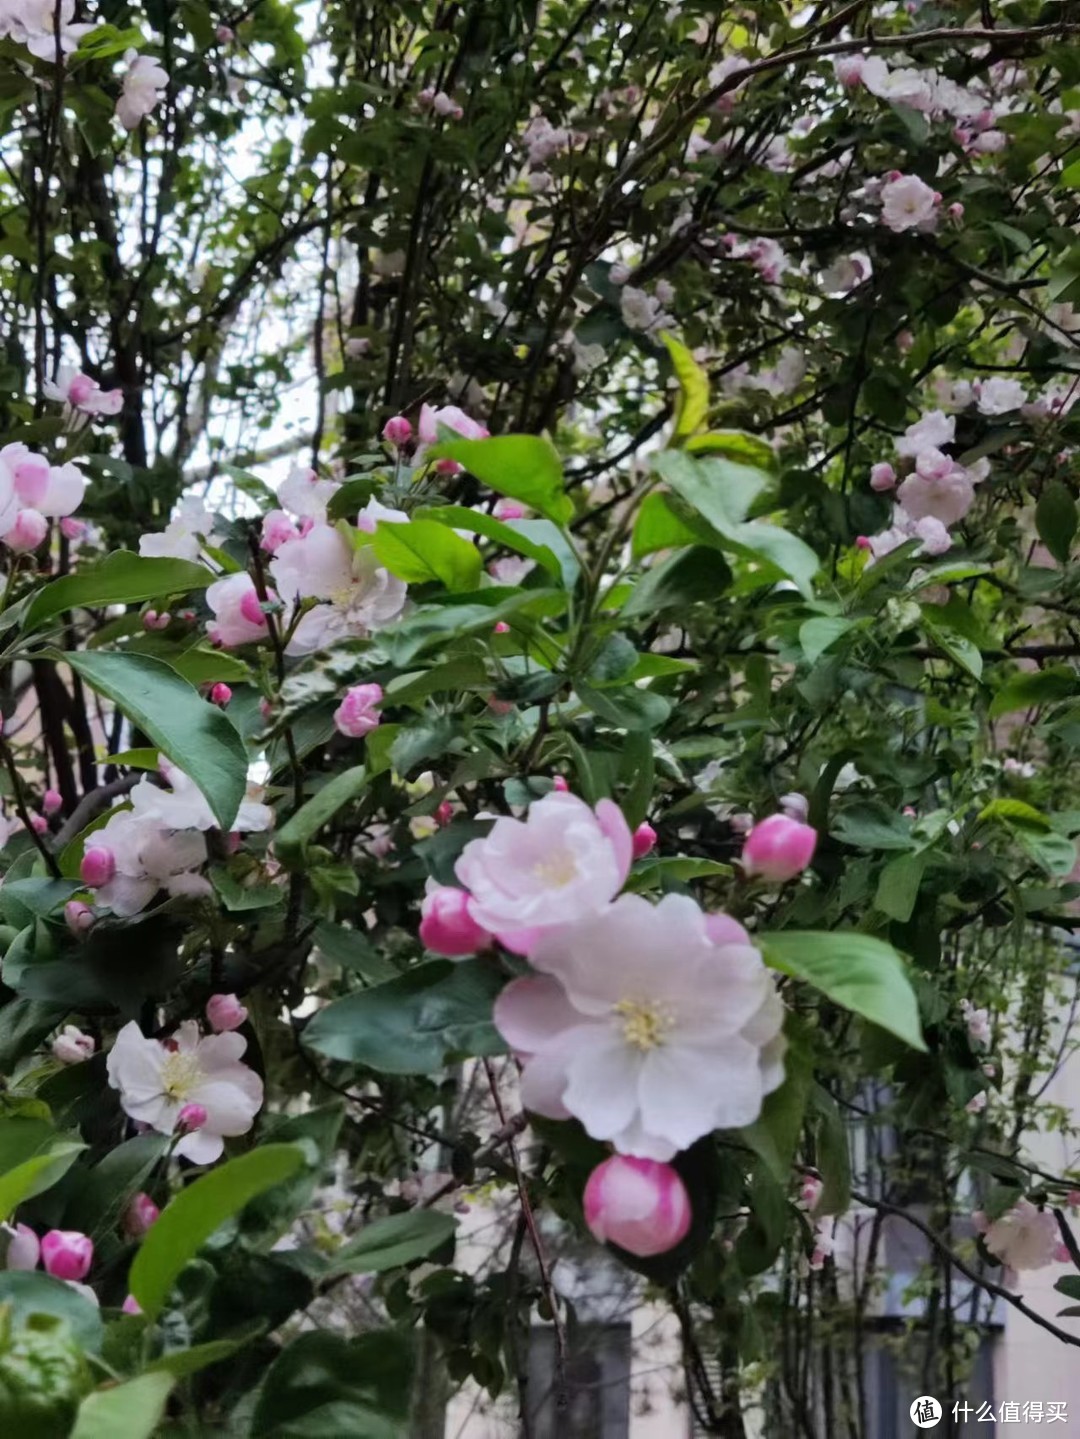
(36, 1175)
(854, 970)
(692, 409)
(122, 578)
(187, 1222)
(422, 551)
(133, 1410)
(961, 651)
(398, 1239)
(195, 735)
(29, 1291)
(525, 467)
(291, 838)
(734, 445)
(818, 634)
(462, 518)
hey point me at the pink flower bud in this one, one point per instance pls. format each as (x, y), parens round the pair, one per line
(795, 806)
(220, 694)
(639, 1204)
(23, 1247)
(192, 1116)
(149, 619)
(447, 467)
(1061, 1253)
(882, 477)
(358, 713)
(810, 1191)
(39, 824)
(501, 627)
(52, 801)
(561, 784)
(444, 814)
(498, 706)
(78, 916)
(163, 621)
(862, 542)
(778, 848)
(643, 840)
(98, 866)
(397, 431)
(224, 1012)
(131, 1305)
(28, 531)
(909, 812)
(139, 1215)
(71, 1046)
(955, 211)
(67, 1254)
(509, 510)
(72, 529)
(447, 927)
(225, 35)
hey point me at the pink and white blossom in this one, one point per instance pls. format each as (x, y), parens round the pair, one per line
(933, 430)
(21, 1247)
(238, 614)
(1022, 1238)
(644, 1027)
(357, 595)
(304, 494)
(778, 848)
(939, 489)
(67, 1254)
(908, 203)
(157, 1080)
(71, 1046)
(998, 396)
(145, 84)
(224, 1012)
(446, 923)
(358, 713)
(80, 395)
(186, 534)
(639, 1204)
(561, 862)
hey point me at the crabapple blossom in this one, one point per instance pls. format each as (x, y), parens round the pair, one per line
(978, 1023)
(97, 866)
(939, 489)
(643, 840)
(67, 1254)
(848, 69)
(778, 848)
(71, 1046)
(80, 395)
(882, 477)
(220, 694)
(977, 1103)
(185, 534)
(561, 862)
(158, 1079)
(145, 84)
(644, 1027)
(930, 532)
(641, 1205)
(397, 431)
(78, 917)
(141, 858)
(357, 595)
(277, 527)
(908, 203)
(184, 806)
(238, 614)
(998, 396)
(447, 926)
(1024, 1237)
(22, 1247)
(52, 801)
(140, 1214)
(225, 1012)
(302, 493)
(449, 417)
(358, 713)
(931, 432)
(28, 531)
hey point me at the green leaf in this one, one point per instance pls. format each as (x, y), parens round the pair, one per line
(1056, 519)
(869, 824)
(182, 1362)
(699, 573)
(834, 1160)
(898, 885)
(325, 1387)
(504, 533)
(422, 551)
(134, 1409)
(194, 734)
(775, 1135)
(658, 527)
(415, 1024)
(960, 650)
(1016, 813)
(856, 972)
(121, 578)
(1052, 852)
(237, 897)
(629, 708)
(36, 1175)
(29, 1291)
(734, 445)
(292, 838)
(525, 467)
(692, 408)
(188, 1221)
(1040, 687)
(396, 1240)
(818, 634)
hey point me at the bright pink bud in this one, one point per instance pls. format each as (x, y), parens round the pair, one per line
(501, 627)
(882, 477)
(397, 431)
(23, 1247)
(67, 1254)
(810, 1192)
(139, 1215)
(149, 619)
(561, 784)
(78, 916)
(444, 814)
(28, 531)
(639, 1204)
(39, 824)
(224, 1012)
(509, 510)
(220, 694)
(447, 467)
(447, 927)
(956, 211)
(909, 812)
(778, 848)
(643, 840)
(358, 713)
(192, 1116)
(251, 608)
(131, 1305)
(98, 866)
(862, 542)
(52, 801)
(498, 706)
(72, 529)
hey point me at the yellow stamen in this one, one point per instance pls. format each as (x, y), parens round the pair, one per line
(645, 1023)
